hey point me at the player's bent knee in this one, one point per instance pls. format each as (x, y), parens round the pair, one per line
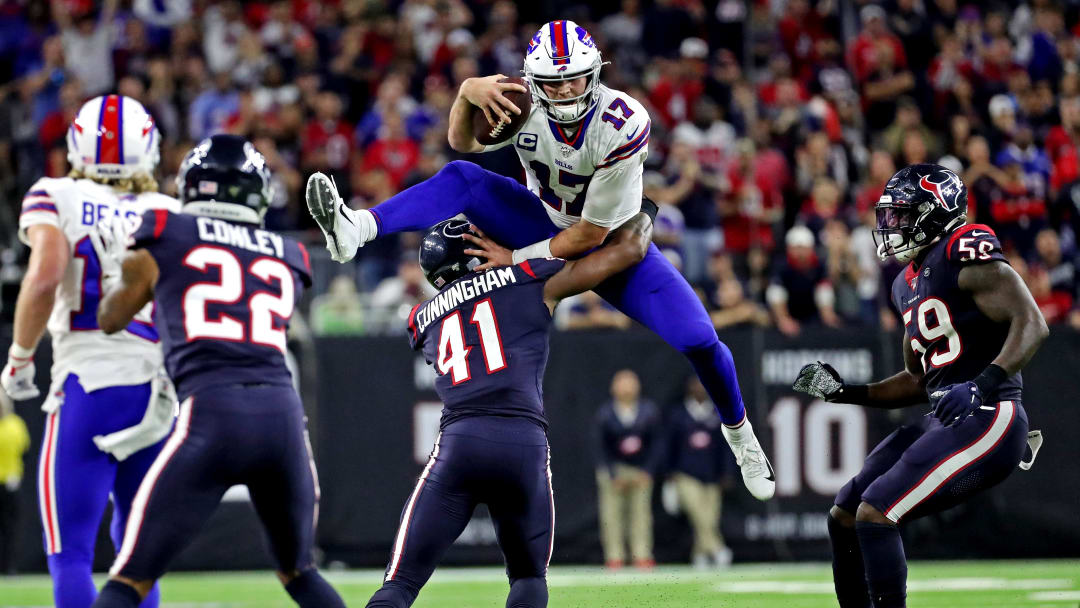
(868, 512)
(463, 169)
(842, 517)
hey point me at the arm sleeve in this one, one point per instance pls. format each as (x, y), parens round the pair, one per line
(38, 207)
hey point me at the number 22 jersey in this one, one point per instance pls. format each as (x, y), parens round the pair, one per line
(952, 338)
(224, 297)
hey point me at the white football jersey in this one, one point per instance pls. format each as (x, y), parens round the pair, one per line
(596, 174)
(75, 206)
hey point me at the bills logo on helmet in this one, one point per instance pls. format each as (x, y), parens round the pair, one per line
(945, 186)
(534, 43)
(585, 37)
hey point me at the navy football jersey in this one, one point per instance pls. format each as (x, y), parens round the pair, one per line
(953, 339)
(487, 336)
(223, 299)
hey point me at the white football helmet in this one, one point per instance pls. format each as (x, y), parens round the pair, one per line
(563, 50)
(113, 137)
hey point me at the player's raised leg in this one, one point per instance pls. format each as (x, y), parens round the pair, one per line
(655, 294)
(501, 207)
(434, 516)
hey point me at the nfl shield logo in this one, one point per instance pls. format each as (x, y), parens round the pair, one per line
(566, 151)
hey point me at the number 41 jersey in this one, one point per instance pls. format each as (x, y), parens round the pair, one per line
(487, 336)
(953, 339)
(224, 297)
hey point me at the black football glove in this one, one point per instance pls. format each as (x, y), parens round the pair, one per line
(819, 380)
(956, 402)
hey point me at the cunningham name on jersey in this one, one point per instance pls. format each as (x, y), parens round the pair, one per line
(463, 290)
(594, 174)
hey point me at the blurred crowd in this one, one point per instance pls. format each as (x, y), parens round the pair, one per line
(775, 125)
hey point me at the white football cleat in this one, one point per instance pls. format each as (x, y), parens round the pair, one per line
(345, 230)
(757, 472)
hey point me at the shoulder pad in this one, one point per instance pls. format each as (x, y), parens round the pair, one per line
(149, 227)
(540, 269)
(974, 244)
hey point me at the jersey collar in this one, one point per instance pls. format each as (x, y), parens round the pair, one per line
(579, 139)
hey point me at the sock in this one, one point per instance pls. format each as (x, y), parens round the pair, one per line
(849, 576)
(531, 592)
(716, 369)
(152, 599)
(310, 590)
(117, 595)
(72, 585)
(393, 594)
(433, 200)
(884, 562)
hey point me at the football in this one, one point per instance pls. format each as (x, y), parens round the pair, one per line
(488, 135)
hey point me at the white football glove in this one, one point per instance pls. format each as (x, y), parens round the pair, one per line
(18, 376)
(111, 241)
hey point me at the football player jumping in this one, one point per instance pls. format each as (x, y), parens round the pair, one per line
(582, 147)
(970, 326)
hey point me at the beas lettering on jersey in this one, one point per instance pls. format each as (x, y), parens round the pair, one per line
(252, 239)
(463, 290)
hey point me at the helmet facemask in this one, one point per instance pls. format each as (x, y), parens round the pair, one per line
(898, 233)
(569, 110)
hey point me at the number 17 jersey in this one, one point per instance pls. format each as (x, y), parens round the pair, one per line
(487, 336)
(224, 297)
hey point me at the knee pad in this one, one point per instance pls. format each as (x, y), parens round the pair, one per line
(531, 592)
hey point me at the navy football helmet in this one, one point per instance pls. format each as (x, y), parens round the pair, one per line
(442, 253)
(920, 204)
(225, 177)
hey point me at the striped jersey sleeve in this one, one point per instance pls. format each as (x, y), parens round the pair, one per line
(39, 206)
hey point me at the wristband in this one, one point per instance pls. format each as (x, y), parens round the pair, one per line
(990, 378)
(855, 394)
(18, 352)
(536, 250)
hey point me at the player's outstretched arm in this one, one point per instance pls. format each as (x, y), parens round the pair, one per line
(899, 390)
(1001, 295)
(484, 93)
(139, 274)
(626, 249)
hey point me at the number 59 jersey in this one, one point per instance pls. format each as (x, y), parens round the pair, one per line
(487, 336)
(79, 346)
(224, 297)
(953, 339)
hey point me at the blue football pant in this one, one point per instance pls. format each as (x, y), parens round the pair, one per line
(652, 292)
(75, 480)
(501, 462)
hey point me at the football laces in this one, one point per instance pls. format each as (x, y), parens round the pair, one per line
(496, 129)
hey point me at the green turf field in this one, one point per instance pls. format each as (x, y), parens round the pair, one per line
(1049, 584)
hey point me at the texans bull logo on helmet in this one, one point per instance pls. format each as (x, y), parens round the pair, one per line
(945, 186)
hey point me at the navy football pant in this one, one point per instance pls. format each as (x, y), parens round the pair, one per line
(497, 461)
(75, 480)
(652, 292)
(924, 469)
(252, 435)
